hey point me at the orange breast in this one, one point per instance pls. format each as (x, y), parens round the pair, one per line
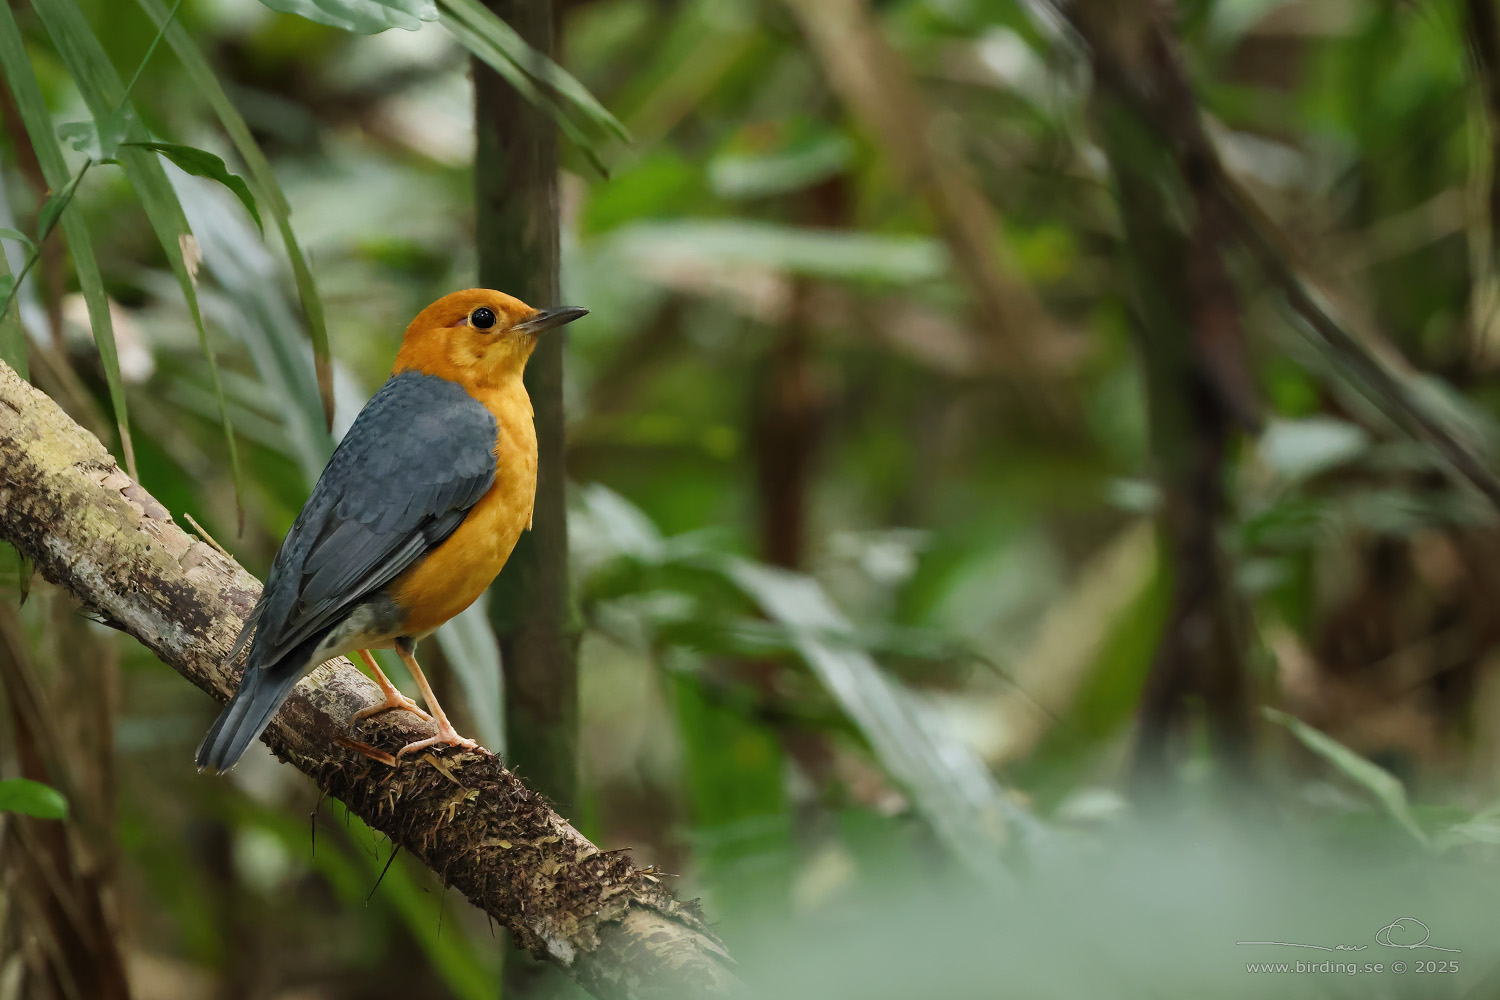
(454, 574)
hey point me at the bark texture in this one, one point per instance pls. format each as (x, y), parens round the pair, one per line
(617, 931)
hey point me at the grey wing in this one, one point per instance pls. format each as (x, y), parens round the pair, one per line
(418, 456)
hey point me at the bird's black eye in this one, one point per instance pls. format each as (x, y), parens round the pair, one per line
(482, 318)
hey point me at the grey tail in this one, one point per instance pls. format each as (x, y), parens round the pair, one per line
(246, 716)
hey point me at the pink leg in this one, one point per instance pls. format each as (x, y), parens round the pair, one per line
(393, 697)
(446, 735)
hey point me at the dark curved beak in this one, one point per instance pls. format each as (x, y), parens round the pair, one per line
(549, 319)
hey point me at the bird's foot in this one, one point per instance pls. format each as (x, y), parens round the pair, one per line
(446, 737)
(393, 700)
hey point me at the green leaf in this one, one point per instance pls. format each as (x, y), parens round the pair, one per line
(53, 207)
(12, 334)
(264, 178)
(104, 93)
(817, 253)
(1299, 449)
(540, 80)
(365, 17)
(201, 163)
(100, 140)
(31, 798)
(1382, 785)
(546, 84)
(7, 233)
(968, 810)
(16, 65)
(790, 169)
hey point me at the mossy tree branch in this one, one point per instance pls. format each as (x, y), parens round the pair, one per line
(617, 931)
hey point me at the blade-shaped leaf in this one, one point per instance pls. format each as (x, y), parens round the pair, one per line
(1382, 785)
(249, 304)
(6, 233)
(365, 17)
(201, 163)
(822, 253)
(264, 178)
(12, 333)
(499, 39)
(16, 65)
(951, 787)
(104, 92)
(536, 76)
(517, 78)
(32, 798)
(53, 207)
(99, 140)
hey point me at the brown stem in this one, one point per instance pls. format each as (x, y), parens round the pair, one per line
(1198, 388)
(90, 529)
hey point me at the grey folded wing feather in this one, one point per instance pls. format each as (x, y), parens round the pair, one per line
(418, 456)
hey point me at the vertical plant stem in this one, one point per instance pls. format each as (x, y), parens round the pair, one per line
(515, 178)
(1482, 32)
(1186, 322)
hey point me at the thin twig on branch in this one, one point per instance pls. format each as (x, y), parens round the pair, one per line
(66, 504)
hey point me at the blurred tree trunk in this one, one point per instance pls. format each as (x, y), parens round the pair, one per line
(515, 181)
(790, 414)
(1186, 322)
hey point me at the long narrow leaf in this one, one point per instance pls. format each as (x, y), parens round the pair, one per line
(534, 74)
(365, 17)
(495, 38)
(103, 91)
(12, 333)
(250, 306)
(970, 813)
(202, 163)
(264, 179)
(1382, 785)
(32, 798)
(16, 65)
(514, 75)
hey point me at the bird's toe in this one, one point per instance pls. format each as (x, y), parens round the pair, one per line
(401, 701)
(445, 739)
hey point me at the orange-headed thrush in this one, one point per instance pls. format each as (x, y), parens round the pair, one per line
(414, 516)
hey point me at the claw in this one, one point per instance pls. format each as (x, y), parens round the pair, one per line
(399, 701)
(445, 737)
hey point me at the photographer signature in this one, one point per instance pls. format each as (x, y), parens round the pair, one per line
(1399, 928)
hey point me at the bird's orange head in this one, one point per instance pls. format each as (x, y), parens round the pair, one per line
(477, 336)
